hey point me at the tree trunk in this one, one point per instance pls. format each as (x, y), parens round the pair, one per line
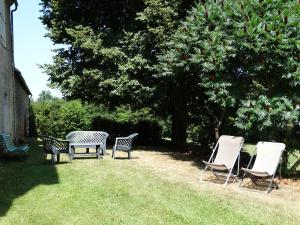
(218, 123)
(217, 134)
(284, 165)
(179, 112)
(179, 126)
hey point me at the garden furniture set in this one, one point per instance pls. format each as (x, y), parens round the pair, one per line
(85, 139)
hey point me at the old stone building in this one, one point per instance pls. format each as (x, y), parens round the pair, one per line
(14, 93)
(22, 105)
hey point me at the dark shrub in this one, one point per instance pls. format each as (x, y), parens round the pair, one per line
(149, 130)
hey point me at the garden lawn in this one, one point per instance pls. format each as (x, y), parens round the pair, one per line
(91, 191)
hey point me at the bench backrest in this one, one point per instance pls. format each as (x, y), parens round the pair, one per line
(87, 137)
(7, 143)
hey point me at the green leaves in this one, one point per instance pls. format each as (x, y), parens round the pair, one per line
(219, 57)
(266, 113)
(57, 117)
(244, 56)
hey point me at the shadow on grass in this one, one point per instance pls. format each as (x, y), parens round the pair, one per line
(193, 153)
(221, 179)
(20, 175)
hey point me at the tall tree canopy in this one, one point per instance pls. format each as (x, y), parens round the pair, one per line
(225, 57)
(110, 48)
(238, 56)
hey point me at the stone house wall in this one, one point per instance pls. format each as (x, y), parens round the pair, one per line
(14, 93)
(6, 71)
(22, 107)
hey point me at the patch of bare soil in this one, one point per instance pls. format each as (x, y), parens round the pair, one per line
(181, 168)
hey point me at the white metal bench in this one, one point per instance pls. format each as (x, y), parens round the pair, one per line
(87, 139)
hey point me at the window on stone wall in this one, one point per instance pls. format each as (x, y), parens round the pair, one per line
(2, 23)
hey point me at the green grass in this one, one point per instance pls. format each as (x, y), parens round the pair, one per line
(91, 191)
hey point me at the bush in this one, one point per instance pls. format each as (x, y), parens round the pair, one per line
(59, 117)
(149, 130)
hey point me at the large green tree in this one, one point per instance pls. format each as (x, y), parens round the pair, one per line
(87, 66)
(240, 57)
(109, 48)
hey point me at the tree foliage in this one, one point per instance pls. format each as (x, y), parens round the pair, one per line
(243, 56)
(45, 96)
(223, 60)
(109, 47)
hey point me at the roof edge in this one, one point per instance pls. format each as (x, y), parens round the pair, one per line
(18, 75)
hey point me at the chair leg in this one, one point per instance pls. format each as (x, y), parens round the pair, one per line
(129, 155)
(52, 159)
(270, 186)
(113, 153)
(72, 152)
(229, 175)
(98, 152)
(57, 158)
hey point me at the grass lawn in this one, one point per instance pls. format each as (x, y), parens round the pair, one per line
(91, 191)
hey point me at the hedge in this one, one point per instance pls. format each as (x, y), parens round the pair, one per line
(149, 130)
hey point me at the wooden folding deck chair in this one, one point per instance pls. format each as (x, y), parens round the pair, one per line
(268, 159)
(227, 151)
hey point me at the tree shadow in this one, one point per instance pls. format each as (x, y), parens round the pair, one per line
(20, 175)
(195, 154)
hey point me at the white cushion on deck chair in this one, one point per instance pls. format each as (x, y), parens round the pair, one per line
(268, 156)
(228, 151)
